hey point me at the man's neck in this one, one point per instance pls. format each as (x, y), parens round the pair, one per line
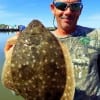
(62, 33)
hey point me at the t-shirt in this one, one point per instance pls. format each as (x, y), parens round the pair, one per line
(82, 44)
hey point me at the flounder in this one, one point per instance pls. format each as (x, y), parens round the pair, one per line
(39, 67)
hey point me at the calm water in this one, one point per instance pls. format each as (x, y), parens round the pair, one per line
(5, 94)
(3, 39)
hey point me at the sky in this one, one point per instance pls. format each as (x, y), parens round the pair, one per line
(21, 12)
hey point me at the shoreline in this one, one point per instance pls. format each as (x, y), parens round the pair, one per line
(9, 30)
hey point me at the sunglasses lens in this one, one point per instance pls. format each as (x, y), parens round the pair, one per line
(60, 5)
(75, 6)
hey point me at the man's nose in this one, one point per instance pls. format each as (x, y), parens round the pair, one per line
(68, 11)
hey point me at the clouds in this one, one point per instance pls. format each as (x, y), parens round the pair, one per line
(5, 14)
(92, 20)
(19, 11)
(7, 17)
(2, 7)
(95, 17)
(23, 11)
(12, 17)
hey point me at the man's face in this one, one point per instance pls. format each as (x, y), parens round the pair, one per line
(66, 18)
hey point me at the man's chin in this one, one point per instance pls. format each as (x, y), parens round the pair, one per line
(67, 26)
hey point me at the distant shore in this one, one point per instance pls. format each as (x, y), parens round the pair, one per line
(8, 30)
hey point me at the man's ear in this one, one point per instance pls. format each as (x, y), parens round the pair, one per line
(52, 8)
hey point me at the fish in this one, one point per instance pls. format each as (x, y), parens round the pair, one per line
(39, 66)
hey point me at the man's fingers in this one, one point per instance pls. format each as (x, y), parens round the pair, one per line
(10, 42)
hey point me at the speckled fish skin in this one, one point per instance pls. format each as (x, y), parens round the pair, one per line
(38, 65)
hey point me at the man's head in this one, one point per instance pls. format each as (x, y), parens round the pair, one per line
(66, 13)
(69, 0)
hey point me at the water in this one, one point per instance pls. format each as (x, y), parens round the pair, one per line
(3, 38)
(5, 94)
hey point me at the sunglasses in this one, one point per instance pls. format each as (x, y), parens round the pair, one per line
(73, 6)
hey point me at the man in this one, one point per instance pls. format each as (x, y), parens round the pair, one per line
(82, 41)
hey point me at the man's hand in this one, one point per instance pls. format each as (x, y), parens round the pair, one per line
(10, 43)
